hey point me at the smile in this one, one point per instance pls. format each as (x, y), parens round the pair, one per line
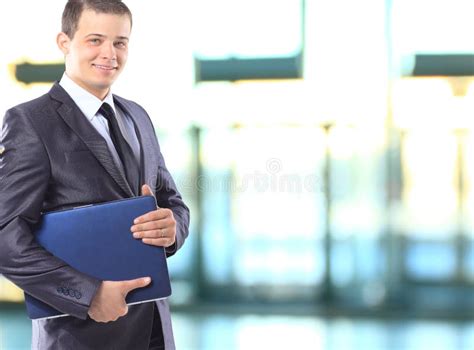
(109, 68)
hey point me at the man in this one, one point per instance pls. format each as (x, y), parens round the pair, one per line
(77, 145)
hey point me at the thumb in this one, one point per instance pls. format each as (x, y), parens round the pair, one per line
(146, 191)
(130, 285)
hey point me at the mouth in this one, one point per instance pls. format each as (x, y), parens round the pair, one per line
(105, 68)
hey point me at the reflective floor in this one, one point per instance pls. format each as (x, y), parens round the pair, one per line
(214, 331)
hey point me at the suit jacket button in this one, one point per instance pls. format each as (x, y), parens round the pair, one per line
(78, 295)
(60, 290)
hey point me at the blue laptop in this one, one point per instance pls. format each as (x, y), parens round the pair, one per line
(97, 241)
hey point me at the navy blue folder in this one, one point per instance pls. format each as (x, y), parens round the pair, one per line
(97, 241)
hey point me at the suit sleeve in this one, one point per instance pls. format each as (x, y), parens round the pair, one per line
(24, 178)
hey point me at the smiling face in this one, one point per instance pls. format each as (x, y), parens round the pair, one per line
(97, 53)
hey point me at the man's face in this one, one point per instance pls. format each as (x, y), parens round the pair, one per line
(97, 54)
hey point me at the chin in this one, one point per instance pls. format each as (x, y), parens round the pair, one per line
(104, 84)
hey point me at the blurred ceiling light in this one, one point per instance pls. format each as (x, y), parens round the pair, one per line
(247, 28)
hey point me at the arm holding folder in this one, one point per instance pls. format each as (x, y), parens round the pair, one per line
(157, 228)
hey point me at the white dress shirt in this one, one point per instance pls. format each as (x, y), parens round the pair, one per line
(90, 105)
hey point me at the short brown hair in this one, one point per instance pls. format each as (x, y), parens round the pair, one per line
(74, 8)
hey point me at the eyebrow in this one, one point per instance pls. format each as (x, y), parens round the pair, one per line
(103, 36)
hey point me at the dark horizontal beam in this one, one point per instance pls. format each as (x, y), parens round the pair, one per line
(444, 65)
(233, 69)
(30, 73)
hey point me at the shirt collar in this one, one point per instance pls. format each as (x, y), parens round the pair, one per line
(87, 103)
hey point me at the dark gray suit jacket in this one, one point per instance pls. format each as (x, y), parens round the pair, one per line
(55, 159)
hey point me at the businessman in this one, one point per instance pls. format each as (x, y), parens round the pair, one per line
(76, 145)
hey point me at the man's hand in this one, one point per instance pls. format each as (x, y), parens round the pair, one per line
(158, 227)
(109, 301)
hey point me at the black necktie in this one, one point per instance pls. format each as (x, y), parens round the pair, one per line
(124, 150)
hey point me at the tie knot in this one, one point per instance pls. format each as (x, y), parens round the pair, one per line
(107, 111)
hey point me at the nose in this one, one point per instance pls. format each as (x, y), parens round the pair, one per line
(108, 51)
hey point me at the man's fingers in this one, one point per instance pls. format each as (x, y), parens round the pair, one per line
(152, 225)
(109, 302)
(134, 284)
(153, 215)
(150, 234)
(146, 191)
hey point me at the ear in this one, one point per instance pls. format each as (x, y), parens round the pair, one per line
(63, 42)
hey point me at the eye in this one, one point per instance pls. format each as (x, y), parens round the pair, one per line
(94, 41)
(121, 44)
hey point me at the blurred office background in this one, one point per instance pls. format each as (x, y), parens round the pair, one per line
(326, 151)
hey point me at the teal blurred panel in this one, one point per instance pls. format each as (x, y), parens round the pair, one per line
(233, 69)
(450, 65)
(30, 73)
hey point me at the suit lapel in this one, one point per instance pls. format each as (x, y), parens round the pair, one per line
(74, 118)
